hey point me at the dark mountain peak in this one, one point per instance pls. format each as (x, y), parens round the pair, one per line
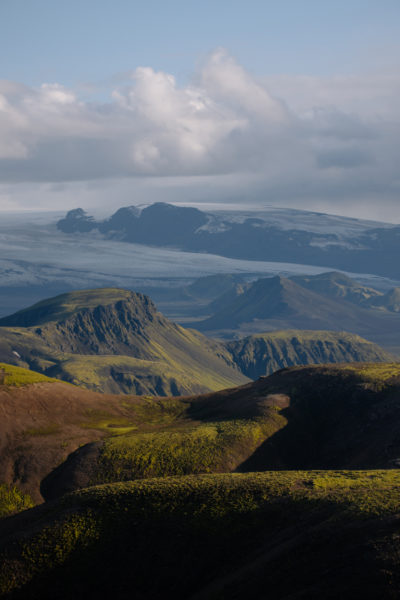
(212, 286)
(165, 207)
(161, 206)
(183, 216)
(338, 277)
(281, 301)
(269, 297)
(76, 220)
(77, 213)
(121, 220)
(274, 284)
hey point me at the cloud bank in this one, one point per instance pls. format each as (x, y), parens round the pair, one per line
(284, 139)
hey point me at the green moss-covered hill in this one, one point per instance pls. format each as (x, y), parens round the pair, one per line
(298, 534)
(170, 521)
(12, 376)
(55, 437)
(115, 341)
(264, 353)
(301, 418)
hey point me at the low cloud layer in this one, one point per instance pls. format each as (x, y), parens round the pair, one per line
(290, 140)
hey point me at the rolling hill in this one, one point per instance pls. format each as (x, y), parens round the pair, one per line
(57, 437)
(327, 417)
(298, 532)
(114, 340)
(295, 534)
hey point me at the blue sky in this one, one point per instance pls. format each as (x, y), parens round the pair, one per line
(236, 95)
(94, 40)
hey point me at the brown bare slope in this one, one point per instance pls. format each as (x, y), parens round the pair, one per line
(42, 423)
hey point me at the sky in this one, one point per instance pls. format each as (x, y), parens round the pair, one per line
(291, 103)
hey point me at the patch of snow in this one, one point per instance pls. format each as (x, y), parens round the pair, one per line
(342, 243)
(302, 220)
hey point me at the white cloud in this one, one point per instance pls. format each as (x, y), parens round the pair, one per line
(289, 139)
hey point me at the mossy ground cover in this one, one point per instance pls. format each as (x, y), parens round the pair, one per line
(12, 500)
(205, 448)
(133, 539)
(376, 372)
(17, 376)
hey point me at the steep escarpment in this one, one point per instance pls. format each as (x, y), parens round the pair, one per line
(126, 326)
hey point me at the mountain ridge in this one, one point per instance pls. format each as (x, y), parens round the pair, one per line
(127, 329)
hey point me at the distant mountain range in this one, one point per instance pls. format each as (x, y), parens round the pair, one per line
(330, 301)
(340, 243)
(214, 292)
(114, 340)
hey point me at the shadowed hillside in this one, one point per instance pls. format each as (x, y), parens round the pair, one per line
(299, 418)
(58, 438)
(299, 535)
(302, 532)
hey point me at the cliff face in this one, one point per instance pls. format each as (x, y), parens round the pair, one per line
(259, 355)
(123, 327)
